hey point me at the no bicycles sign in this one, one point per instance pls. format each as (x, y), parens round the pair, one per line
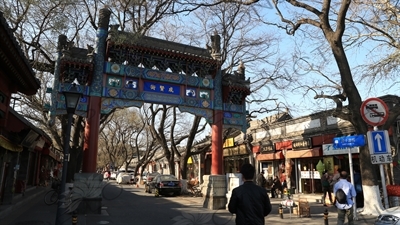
(374, 111)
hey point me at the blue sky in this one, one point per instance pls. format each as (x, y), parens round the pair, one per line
(319, 54)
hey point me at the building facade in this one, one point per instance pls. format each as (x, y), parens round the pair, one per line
(25, 150)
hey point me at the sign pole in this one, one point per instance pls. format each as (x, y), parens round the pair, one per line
(352, 182)
(383, 181)
(385, 196)
(375, 112)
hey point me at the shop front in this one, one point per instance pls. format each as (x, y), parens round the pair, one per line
(269, 161)
(313, 155)
(234, 158)
(305, 158)
(339, 158)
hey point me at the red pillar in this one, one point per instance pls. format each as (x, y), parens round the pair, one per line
(216, 144)
(91, 135)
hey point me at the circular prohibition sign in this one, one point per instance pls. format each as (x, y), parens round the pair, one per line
(374, 111)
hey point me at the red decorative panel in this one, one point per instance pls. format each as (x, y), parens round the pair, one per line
(322, 139)
(256, 149)
(283, 145)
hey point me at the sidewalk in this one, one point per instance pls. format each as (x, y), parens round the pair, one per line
(30, 208)
(20, 199)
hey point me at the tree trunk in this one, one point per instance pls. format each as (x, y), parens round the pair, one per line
(183, 167)
(171, 164)
(372, 203)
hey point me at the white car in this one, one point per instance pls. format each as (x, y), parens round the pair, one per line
(126, 177)
(390, 216)
(114, 175)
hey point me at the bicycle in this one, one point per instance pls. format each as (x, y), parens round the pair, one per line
(195, 190)
(51, 197)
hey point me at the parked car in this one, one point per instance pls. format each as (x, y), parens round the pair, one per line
(149, 178)
(164, 184)
(123, 178)
(114, 175)
(390, 216)
(129, 176)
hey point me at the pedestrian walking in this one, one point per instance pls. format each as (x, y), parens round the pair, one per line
(358, 187)
(249, 201)
(276, 186)
(261, 181)
(336, 177)
(326, 187)
(344, 206)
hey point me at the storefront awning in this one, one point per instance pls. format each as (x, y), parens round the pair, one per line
(270, 156)
(314, 152)
(7, 144)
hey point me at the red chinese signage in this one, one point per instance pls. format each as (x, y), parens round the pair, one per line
(283, 145)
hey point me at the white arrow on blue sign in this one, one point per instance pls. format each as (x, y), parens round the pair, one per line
(378, 142)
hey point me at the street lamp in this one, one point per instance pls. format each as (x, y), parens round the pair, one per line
(72, 97)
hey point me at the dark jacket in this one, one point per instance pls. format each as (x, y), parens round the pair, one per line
(250, 203)
(277, 184)
(261, 181)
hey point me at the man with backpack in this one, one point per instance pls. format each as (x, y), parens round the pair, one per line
(344, 192)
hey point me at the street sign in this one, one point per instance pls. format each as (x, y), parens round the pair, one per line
(378, 142)
(379, 146)
(349, 141)
(328, 149)
(381, 158)
(374, 111)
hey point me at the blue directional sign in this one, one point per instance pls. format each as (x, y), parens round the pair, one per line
(349, 141)
(378, 142)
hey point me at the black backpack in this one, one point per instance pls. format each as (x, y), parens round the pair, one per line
(341, 197)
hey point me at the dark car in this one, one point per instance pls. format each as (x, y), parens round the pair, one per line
(149, 178)
(164, 184)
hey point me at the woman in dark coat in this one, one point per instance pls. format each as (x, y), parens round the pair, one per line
(276, 185)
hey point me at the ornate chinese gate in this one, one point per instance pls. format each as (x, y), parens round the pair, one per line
(128, 69)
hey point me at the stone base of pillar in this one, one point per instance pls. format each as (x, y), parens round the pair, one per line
(90, 186)
(214, 192)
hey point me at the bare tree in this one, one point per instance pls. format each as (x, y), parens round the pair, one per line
(165, 128)
(38, 24)
(330, 18)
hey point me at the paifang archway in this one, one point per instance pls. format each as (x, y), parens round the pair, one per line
(128, 69)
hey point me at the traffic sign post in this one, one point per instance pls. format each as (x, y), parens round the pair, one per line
(379, 146)
(374, 111)
(379, 149)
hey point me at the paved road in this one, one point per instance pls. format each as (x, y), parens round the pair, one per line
(131, 205)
